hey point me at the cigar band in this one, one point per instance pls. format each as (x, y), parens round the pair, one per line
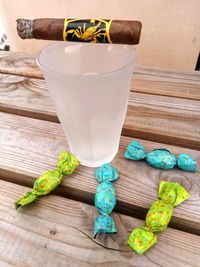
(87, 30)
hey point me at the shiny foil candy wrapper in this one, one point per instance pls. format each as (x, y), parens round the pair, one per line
(105, 199)
(160, 158)
(159, 215)
(48, 181)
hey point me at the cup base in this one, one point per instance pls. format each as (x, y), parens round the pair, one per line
(94, 164)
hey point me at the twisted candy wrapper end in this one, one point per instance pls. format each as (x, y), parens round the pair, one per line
(187, 163)
(170, 194)
(135, 151)
(42, 186)
(104, 224)
(67, 163)
(106, 173)
(26, 199)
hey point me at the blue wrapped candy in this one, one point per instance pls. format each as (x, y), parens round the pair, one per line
(106, 173)
(135, 151)
(105, 199)
(161, 159)
(187, 163)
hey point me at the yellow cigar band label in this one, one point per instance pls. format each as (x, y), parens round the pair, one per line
(87, 30)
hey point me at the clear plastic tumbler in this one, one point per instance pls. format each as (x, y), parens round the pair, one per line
(89, 84)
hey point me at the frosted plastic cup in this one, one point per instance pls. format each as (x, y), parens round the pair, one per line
(89, 84)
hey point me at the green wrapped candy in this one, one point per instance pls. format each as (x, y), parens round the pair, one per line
(42, 186)
(159, 216)
(48, 181)
(157, 219)
(186, 163)
(135, 151)
(161, 159)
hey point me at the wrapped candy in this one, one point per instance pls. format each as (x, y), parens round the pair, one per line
(160, 158)
(169, 195)
(48, 181)
(105, 199)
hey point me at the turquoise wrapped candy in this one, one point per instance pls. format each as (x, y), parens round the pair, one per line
(160, 158)
(105, 199)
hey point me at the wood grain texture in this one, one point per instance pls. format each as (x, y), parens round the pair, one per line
(162, 128)
(26, 97)
(58, 232)
(156, 81)
(151, 117)
(19, 64)
(186, 89)
(28, 147)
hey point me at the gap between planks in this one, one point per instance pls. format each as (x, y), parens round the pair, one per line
(156, 81)
(163, 119)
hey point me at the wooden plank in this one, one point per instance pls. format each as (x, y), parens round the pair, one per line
(162, 128)
(186, 89)
(170, 74)
(27, 97)
(29, 147)
(166, 106)
(19, 64)
(151, 117)
(183, 84)
(58, 232)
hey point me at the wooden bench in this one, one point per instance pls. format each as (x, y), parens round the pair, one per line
(57, 230)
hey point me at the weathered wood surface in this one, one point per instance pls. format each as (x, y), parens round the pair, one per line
(55, 231)
(19, 64)
(157, 80)
(152, 117)
(163, 119)
(29, 147)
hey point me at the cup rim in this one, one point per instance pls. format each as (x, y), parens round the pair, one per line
(78, 76)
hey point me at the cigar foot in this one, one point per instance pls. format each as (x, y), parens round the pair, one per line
(25, 28)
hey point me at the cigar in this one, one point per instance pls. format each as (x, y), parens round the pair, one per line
(81, 30)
